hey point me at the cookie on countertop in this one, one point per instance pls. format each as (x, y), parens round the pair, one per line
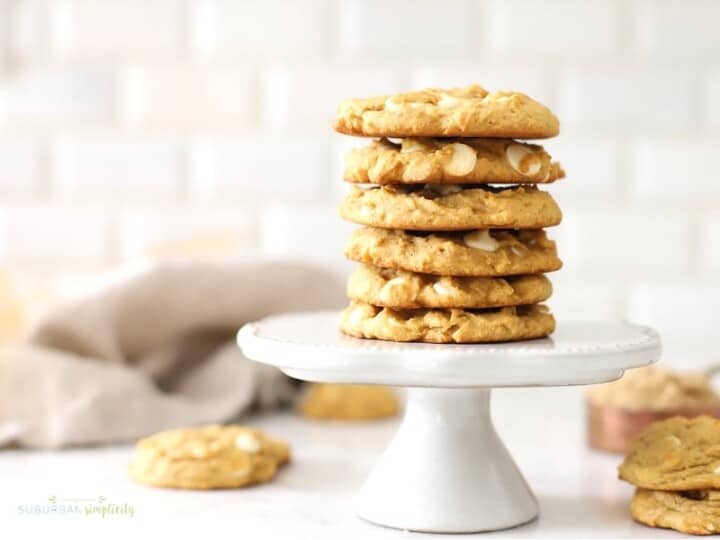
(401, 289)
(209, 457)
(451, 207)
(476, 253)
(675, 454)
(421, 161)
(348, 402)
(447, 325)
(471, 111)
(690, 512)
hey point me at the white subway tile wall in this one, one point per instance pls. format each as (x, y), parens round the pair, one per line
(186, 97)
(109, 167)
(108, 28)
(403, 29)
(557, 27)
(168, 127)
(711, 103)
(4, 41)
(269, 29)
(20, 158)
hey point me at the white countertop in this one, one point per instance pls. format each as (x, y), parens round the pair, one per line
(577, 489)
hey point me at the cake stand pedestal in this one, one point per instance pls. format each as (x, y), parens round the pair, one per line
(446, 470)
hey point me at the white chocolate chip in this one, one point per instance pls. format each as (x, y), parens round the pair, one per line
(447, 101)
(517, 154)
(197, 451)
(443, 189)
(357, 315)
(481, 239)
(392, 106)
(394, 140)
(674, 440)
(365, 211)
(412, 145)
(716, 470)
(515, 250)
(385, 294)
(462, 161)
(366, 187)
(442, 288)
(248, 442)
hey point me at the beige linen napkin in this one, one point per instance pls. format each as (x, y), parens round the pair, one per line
(150, 349)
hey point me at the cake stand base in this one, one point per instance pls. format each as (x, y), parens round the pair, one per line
(446, 470)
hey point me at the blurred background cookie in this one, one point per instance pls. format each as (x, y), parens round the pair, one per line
(618, 411)
(348, 402)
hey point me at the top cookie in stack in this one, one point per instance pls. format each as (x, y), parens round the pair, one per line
(453, 249)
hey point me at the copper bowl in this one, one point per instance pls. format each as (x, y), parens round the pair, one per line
(612, 428)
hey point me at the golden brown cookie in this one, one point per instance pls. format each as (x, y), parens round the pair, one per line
(448, 207)
(348, 402)
(455, 112)
(453, 161)
(209, 457)
(475, 253)
(447, 325)
(691, 512)
(675, 454)
(401, 289)
(656, 388)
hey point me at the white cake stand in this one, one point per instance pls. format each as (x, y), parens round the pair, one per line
(446, 470)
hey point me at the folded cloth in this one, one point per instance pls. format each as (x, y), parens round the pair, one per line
(152, 348)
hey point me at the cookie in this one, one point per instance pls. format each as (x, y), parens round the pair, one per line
(656, 388)
(455, 112)
(448, 207)
(690, 512)
(422, 161)
(401, 289)
(348, 402)
(675, 454)
(476, 253)
(447, 325)
(209, 457)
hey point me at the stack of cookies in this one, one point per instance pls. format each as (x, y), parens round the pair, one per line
(454, 248)
(675, 465)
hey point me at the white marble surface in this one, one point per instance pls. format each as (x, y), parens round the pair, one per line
(577, 489)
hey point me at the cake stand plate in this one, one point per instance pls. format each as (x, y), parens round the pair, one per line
(446, 470)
